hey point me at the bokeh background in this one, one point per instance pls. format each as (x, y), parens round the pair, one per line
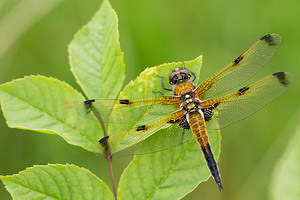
(33, 40)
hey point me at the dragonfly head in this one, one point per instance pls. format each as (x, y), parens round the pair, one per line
(179, 75)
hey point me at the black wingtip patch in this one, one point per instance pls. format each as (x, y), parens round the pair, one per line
(265, 37)
(238, 60)
(243, 90)
(269, 40)
(102, 140)
(125, 101)
(89, 101)
(141, 128)
(282, 78)
(278, 74)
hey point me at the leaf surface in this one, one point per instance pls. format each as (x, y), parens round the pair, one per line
(168, 174)
(49, 106)
(56, 182)
(95, 55)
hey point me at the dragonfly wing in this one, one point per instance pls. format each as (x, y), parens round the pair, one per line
(241, 69)
(170, 137)
(125, 111)
(125, 139)
(223, 111)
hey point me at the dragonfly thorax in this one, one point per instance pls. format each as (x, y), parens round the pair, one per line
(179, 75)
(190, 103)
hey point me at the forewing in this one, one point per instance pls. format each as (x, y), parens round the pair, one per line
(241, 69)
(223, 111)
(125, 111)
(125, 139)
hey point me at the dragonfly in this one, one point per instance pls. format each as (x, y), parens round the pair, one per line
(194, 109)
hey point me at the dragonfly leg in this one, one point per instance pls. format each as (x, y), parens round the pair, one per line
(162, 83)
(158, 92)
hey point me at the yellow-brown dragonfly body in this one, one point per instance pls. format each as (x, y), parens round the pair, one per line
(194, 108)
(191, 107)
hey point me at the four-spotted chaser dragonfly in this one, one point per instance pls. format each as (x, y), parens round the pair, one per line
(195, 108)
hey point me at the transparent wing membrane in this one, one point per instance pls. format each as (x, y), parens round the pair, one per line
(124, 111)
(165, 139)
(241, 69)
(132, 136)
(247, 100)
(162, 140)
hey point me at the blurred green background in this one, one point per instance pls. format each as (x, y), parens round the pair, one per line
(33, 40)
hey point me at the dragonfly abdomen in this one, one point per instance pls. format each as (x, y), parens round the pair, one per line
(198, 126)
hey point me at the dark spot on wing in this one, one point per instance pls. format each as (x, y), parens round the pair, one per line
(183, 123)
(216, 105)
(268, 39)
(125, 101)
(88, 105)
(171, 121)
(236, 61)
(243, 90)
(209, 112)
(102, 140)
(141, 128)
(89, 101)
(282, 78)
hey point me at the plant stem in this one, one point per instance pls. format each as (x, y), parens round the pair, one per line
(111, 172)
(105, 144)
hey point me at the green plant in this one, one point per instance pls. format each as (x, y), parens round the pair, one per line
(48, 105)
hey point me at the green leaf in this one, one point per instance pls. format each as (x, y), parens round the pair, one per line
(143, 86)
(148, 81)
(56, 182)
(169, 174)
(285, 182)
(47, 105)
(96, 59)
